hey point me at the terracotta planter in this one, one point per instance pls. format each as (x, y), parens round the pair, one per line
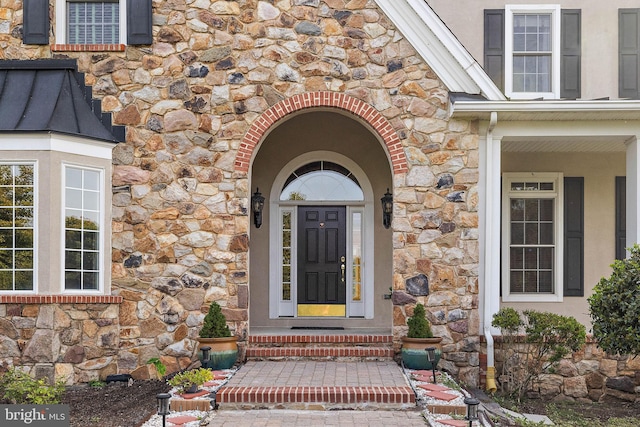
(224, 351)
(414, 354)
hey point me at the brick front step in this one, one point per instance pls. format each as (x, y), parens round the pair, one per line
(320, 398)
(320, 347)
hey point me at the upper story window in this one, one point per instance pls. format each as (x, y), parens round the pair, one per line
(93, 22)
(532, 252)
(532, 51)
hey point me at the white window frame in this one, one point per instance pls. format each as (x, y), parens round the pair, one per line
(36, 205)
(557, 195)
(101, 230)
(554, 11)
(61, 22)
(51, 153)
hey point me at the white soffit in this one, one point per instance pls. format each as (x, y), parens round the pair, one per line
(585, 144)
(435, 43)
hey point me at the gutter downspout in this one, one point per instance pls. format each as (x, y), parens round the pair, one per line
(488, 252)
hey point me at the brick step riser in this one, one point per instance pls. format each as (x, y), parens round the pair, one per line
(324, 352)
(321, 340)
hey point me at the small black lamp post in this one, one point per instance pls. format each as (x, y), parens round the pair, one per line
(257, 204)
(205, 356)
(387, 209)
(163, 406)
(431, 357)
(472, 409)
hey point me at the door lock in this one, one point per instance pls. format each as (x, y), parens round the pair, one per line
(342, 267)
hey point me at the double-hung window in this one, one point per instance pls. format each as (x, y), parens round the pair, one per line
(532, 51)
(532, 244)
(89, 22)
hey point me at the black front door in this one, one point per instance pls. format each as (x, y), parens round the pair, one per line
(322, 261)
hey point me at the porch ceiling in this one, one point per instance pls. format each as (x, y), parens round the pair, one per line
(582, 144)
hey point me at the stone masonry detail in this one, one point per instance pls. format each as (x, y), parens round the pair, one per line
(180, 215)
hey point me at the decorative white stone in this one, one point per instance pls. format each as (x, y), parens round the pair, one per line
(267, 12)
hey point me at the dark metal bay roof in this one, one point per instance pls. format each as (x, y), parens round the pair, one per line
(50, 96)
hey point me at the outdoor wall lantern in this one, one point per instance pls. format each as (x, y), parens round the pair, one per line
(431, 358)
(257, 204)
(387, 209)
(163, 406)
(205, 356)
(472, 409)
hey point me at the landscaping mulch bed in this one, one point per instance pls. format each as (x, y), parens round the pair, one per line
(115, 404)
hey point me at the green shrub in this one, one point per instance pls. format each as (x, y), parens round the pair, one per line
(184, 380)
(419, 326)
(615, 307)
(20, 388)
(548, 337)
(215, 324)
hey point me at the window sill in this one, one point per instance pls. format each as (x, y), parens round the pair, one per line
(88, 47)
(60, 299)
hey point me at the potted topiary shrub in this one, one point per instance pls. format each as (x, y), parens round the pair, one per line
(216, 334)
(418, 339)
(189, 381)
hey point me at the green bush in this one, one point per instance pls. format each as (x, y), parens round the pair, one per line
(548, 337)
(184, 380)
(419, 326)
(19, 387)
(615, 307)
(215, 324)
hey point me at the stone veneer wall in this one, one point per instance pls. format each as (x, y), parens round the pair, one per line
(180, 205)
(589, 374)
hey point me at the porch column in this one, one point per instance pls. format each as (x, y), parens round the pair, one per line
(489, 216)
(633, 186)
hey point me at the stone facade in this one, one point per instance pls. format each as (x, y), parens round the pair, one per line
(180, 187)
(588, 375)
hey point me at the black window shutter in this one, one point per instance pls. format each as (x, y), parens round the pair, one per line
(570, 54)
(35, 26)
(621, 217)
(494, 45)
(139, 22)
(574, 236)
(628, 44)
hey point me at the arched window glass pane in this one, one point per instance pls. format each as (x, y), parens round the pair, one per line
(320, 181)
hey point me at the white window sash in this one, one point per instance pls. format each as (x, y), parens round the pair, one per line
(61, 22)
(554, 10)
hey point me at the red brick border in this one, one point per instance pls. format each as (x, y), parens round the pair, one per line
(320, 352)
(329, 339)
(87, 47)
(321, 99)
(60, 299)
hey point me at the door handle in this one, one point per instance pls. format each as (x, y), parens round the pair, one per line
(342, 267)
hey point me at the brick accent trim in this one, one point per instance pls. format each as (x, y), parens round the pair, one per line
(307, 100)
(320, 352)
(330, 339)
(341, 394)
(88, 47)
(60, 299)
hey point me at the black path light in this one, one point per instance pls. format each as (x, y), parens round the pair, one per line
(205, 356)
(387, 209)
(163, 406)
(472, 409)
(431, 357)
(257, 204)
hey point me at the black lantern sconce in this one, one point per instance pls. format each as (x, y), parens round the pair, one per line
(431, 358)
(205, 356)
(472, 409)
(163, 406)
(387, 209)
(257, 204)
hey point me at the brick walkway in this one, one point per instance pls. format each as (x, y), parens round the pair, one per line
(278, 418)
(314, 385)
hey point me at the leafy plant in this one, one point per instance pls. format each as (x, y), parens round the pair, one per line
(97, 383)
(615, 307)
(419, 326)
(20, 388)
(548, 337)
(160, 367)
(215, 323)
(186, 379)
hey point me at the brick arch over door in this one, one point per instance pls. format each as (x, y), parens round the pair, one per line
(322, 99)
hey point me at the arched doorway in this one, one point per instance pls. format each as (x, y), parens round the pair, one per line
(322, 254)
